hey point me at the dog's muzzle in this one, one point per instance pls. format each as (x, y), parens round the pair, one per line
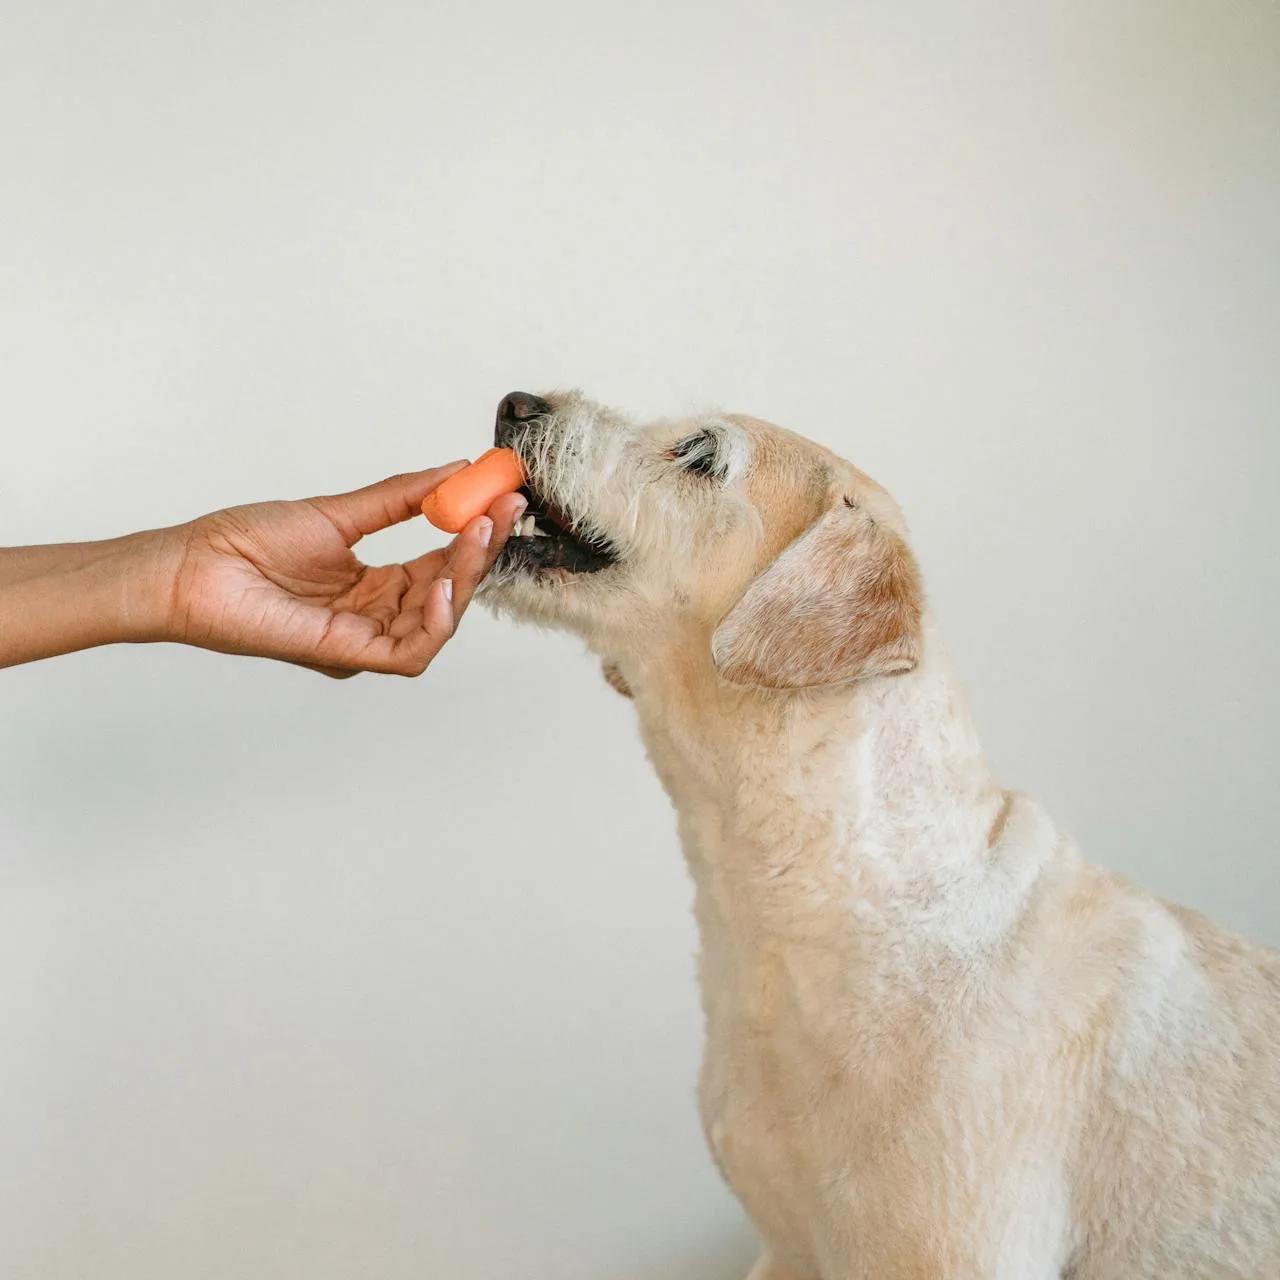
(546, 538)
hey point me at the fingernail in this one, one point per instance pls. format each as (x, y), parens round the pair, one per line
(484, 530)
(446, 585)
(521, 506)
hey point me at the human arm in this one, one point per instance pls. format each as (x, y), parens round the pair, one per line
(273, 579)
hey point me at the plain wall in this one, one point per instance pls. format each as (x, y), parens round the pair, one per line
(394, 979)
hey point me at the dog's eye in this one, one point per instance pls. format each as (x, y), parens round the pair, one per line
(699, 453)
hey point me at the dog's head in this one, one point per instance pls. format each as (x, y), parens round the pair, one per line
(726, 540)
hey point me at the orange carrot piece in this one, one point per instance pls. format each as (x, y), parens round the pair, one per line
(471, 492)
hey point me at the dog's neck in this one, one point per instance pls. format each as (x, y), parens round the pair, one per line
(874, 799)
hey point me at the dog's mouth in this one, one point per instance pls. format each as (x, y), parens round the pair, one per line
(546, 538)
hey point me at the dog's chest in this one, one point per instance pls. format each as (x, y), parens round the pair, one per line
(789, 1112)
(840, 1164)
(765, 1147)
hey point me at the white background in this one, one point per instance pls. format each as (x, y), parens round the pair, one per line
(391, 979)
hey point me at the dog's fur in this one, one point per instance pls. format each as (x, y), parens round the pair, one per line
(939, 1043)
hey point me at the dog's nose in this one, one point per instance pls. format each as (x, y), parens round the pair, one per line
(520, 406)
(515, 411)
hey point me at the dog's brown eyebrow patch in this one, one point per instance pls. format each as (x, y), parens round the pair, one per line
(849, 502)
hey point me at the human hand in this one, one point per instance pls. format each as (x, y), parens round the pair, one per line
(280, 580)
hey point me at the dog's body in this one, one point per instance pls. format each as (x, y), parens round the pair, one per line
(939, 1044)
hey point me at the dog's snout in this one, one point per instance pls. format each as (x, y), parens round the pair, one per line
(520, 406)
(515, 412)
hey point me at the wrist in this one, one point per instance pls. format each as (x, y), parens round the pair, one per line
(58, 599)
(118, 588)
(138, 575)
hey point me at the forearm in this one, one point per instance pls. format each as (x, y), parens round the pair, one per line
(57, 599)
(18, 564)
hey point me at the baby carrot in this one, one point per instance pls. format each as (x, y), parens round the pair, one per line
(470, 492)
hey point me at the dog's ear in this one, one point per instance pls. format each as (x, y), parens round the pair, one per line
(614, 677)
(841, 603)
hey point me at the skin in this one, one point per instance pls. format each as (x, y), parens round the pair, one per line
(271, 580)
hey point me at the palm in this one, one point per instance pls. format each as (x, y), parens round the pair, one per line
(279, 579)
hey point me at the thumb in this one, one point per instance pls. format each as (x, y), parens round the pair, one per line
(380, 505)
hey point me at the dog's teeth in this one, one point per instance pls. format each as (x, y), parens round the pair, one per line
(528, 527)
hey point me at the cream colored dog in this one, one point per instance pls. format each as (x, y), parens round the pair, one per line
(939, 1043)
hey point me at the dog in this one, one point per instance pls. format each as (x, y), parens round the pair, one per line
(938, 1042)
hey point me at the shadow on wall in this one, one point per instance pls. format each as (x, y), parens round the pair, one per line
(728, 1255)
